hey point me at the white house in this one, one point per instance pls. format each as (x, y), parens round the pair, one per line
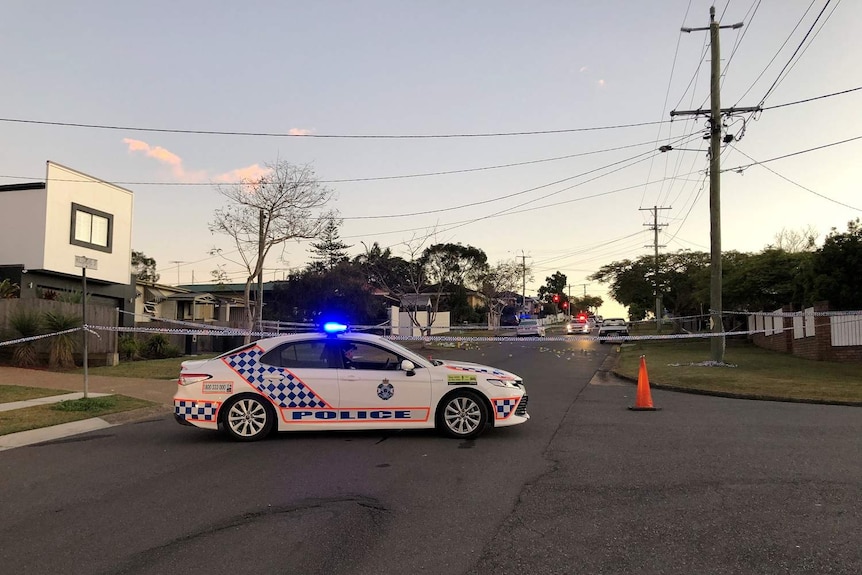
(45, 226)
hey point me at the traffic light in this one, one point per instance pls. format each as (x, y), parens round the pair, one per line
(565, 305)
(556, 298)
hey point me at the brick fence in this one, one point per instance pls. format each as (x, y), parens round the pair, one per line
(810, 336)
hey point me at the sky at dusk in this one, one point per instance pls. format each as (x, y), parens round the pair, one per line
(587, 87)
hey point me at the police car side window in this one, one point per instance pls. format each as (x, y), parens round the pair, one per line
(372, 357)
(298, 355)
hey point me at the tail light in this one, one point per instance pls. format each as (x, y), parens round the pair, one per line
(190, 378)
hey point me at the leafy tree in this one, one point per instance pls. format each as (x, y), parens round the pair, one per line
(342, 292)
(683, 281)
(144, 267)
(383, 271)
(262, 214)
(836, 268)
(330, 250)
(586, 303)
(454, 265)
(554, 284)
(764, 281)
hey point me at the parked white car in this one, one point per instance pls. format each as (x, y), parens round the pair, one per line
(530, 328)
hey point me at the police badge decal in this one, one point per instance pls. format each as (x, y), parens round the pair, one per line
(385, 390)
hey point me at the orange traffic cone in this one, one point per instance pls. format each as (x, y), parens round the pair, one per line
(643, 401)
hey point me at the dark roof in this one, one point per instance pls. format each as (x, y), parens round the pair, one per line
(22, 187)
(222, 288)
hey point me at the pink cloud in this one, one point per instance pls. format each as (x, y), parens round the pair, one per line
(164, 156)
(249, 173)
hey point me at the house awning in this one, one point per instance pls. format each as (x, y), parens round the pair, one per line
(193, 297)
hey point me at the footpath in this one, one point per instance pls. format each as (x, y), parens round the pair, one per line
(159, 391)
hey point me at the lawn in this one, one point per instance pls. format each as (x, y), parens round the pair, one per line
(10, 393)
(755, 372)
(65, 411)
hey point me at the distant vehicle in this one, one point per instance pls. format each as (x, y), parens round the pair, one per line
(509, 317)
(509, 320)
(613, 327)
(576, 326)
(530, 328)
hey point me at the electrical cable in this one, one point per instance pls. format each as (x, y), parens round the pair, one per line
(324, 136)
(349, 180)
(786, 40)
(792, 56)
(796, 183)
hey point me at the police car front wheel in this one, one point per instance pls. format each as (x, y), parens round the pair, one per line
(462, 415)
(248, 418)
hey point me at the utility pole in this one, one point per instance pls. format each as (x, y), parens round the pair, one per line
(524, 274)
(260, 247)
(178, 262)
(715, 125)
(655, 227)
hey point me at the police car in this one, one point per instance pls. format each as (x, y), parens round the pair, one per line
(346, 381)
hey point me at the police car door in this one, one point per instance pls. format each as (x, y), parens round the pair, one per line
(299, 379)
(374, 391)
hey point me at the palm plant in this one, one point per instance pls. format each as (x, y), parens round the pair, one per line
(26, 324)
(8, 289)
(62, 346)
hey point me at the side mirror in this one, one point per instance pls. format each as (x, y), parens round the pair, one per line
(408, 366)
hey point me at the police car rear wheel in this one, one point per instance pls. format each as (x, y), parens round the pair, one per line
(463, 416)
(248, 418)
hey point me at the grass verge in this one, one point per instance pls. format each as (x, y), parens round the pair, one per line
(66, 411)
(755, 372)
(10, 393)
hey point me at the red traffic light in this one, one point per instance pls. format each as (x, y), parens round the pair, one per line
(565, 305)
(556, 298)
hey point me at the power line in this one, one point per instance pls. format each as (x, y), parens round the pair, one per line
(349, 180)
(321, 136)
(746, 166)
(792, 56)
(783, 44)
(796, 183)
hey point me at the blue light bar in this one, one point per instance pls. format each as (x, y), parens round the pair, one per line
(332, 327)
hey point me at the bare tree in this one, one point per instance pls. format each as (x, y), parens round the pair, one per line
(795, 241)
(504, 276)
(264, 213)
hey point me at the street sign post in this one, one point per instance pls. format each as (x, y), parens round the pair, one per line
(85, 263)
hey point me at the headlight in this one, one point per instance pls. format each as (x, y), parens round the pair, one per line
(502, 382)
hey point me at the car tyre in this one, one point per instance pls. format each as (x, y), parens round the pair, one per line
(462, 415)
(248, 418)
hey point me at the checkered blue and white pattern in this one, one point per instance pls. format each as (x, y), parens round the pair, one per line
(288, 392)
(200, 410)
(504, 407)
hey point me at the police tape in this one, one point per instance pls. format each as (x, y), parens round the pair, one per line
(41, 336)
(229, 332)
(795, 313)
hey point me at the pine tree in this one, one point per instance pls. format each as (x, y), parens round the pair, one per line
(330, 250)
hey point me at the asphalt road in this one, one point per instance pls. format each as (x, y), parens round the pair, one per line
(706, 485)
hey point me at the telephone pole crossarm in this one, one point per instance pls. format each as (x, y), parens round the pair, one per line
(701, 112)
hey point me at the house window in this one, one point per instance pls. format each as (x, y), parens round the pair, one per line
(91, 228)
